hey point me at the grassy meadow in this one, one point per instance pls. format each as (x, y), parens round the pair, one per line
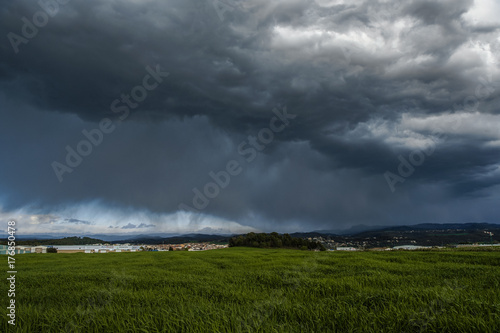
(257, 290)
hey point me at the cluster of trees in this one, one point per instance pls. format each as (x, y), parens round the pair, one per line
(274, 240)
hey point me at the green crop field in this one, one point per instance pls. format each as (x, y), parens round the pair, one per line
(257, 290)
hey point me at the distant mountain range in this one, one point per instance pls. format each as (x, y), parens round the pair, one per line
(425, 233)
(361, 228)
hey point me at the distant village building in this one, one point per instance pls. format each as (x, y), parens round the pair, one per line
(30, 249)
(108, 248)
(346, 248)
(95, 248)
(39, 249)
(410, 247)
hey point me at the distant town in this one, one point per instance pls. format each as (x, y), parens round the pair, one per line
(116, 248)
(417, 237)
(109, 248)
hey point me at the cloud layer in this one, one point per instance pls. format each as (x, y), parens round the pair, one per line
(371, 83)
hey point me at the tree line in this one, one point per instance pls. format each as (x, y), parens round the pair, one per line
(274, 240)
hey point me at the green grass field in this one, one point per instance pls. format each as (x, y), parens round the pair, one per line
(257, 290)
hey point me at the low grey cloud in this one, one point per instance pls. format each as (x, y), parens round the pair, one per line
(76, 221)
(44, 219)
(144, 225)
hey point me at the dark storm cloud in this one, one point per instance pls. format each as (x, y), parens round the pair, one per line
(350, 71)
(87, 56)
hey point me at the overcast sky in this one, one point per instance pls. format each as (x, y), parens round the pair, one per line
(117, 115)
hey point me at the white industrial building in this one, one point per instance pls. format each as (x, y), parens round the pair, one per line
(411, 247)
(96, 248)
